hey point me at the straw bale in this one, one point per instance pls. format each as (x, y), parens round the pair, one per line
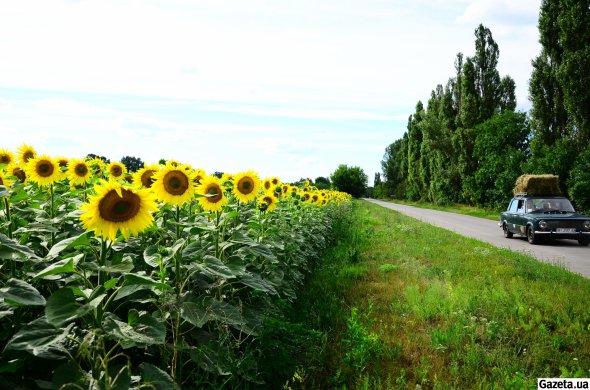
(538, 185)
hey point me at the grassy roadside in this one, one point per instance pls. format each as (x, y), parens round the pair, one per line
(456, 208)
(399, 303)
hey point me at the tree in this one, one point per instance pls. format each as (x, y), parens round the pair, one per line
(133, 164)
(322, 183)
(501, 149)
(352, 180)
(92, 156)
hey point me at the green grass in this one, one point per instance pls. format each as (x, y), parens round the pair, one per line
(402, 303)
(455, 208)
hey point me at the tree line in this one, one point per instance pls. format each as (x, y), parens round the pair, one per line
(468, 145)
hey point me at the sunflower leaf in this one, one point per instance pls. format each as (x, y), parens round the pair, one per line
(39, 338)
(146, 330)
(155, 377)
(65, 266)
(20, 293)
(71, 242)
(12, 250)
(62, 307)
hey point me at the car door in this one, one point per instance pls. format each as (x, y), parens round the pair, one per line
(519, 217)
(511, 216)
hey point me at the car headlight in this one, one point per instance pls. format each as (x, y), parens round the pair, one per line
(543, 225)
(587, 225)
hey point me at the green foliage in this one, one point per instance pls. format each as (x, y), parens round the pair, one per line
(133, 164)
(91, 156)
(579, 182)
(351, 180)
(501, 150)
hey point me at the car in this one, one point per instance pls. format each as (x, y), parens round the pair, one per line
(541, 218)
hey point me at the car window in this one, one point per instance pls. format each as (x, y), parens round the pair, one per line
(520, 207)
(513, 206)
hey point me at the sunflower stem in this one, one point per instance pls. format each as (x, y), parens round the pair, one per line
(218, 215)
(52, 213)
(102, 275)
(177, 222)
(8, 219)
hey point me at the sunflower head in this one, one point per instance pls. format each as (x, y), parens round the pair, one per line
(246, 186)
(17, 171)
(267, 201)
(63, 163)
(275, 181)
(6, 157)
(199, 175)
(144, 177)
(213, 197)
(267, 184)
(116, 208)
(116, 170)
(4, 180)
(43, 170)
(79, 172)
(25, 153)
(174, 185)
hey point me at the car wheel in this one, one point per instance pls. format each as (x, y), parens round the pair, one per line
(584, 241)
(530, 235)
(507, 233)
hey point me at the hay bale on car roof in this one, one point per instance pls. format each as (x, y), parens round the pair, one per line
(538, 185)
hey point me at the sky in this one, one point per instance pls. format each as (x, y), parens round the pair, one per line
(286, 88)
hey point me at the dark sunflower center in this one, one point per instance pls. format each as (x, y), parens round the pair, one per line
(1, 182)
(81, 170)
(28, 155)
(20, 174)
(214, 193)
(175, 182)
(246, 185)
(146, 178)
(114, 208)
(267, 185)
(4, 159)
(116, 171)
(44, 168)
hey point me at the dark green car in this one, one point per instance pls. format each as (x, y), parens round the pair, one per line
(544, 217)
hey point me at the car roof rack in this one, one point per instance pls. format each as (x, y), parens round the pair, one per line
(520, 194)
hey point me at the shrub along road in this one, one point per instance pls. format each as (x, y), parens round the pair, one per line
(563, 252)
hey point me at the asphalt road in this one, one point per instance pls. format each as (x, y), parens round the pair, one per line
(564, 252)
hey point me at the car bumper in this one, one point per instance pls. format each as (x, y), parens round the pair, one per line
(572, 236)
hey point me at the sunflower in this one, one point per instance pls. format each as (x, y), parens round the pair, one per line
(117, 208)
(199, 175)
(116, 170)
(306, 197)
(213, 197)
(173, 185)
(275, 181)
(267, 184)
(63, 163)
(144, 177)
(6, 157)
(43, 170)
(247, 186)
(16, 171)
(79, 172)
(4, 180)
(25, 153)
(97, 166)
(267, 201)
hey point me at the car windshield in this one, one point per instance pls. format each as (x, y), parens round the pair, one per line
(549, 205)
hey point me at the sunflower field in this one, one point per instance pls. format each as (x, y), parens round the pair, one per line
(158, 279)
